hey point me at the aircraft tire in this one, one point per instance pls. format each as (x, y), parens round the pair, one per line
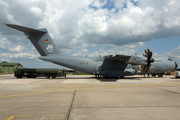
(160, 75)
(153, 75)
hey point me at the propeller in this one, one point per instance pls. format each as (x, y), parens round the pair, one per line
(148, 54)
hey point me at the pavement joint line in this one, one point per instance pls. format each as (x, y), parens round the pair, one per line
(109, 86)
(71, 105)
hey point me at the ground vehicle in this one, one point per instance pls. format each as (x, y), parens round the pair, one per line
(39, 72)
(177, 74)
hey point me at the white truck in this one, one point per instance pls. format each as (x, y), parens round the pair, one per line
(177, 74)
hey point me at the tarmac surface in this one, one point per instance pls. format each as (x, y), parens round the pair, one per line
(87, 98)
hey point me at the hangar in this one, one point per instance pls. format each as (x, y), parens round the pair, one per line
(6, 67)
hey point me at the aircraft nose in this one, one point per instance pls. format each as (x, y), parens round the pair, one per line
(176, 65)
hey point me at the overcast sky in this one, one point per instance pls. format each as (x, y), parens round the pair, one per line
(91, 27)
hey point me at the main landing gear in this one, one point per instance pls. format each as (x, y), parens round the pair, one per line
(153, 75)
(100, 76)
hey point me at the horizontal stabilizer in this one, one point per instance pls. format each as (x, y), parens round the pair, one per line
(25, 29)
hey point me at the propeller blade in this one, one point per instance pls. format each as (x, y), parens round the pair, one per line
(148, 54)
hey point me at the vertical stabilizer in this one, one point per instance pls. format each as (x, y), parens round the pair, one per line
(40, 39)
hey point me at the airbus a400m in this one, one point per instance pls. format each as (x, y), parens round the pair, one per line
(107, 66)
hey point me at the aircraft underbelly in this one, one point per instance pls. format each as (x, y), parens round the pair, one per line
(116, 73)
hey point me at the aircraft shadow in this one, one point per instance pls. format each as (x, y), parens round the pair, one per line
(107, 79)
(102, 79)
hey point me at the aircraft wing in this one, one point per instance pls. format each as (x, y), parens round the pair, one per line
(133, 59)
(118, 57)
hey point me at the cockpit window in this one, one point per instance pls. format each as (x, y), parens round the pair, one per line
(169, 59)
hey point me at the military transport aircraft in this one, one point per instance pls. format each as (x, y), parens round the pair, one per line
(107, 66)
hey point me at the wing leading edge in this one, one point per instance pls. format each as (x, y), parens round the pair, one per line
(133, 60)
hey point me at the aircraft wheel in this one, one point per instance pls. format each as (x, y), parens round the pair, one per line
(154, 75)
(160, 75)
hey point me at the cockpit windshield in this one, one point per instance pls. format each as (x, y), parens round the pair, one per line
(169, 59)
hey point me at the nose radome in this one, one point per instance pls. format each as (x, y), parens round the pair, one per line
(176, 65)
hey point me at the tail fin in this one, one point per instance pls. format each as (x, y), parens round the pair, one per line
(40, 39)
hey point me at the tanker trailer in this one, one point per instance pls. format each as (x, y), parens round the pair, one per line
(39, 72)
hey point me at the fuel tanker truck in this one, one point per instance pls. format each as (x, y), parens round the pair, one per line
(39, 72)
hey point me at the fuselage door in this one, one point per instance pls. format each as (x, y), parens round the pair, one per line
(99, 69)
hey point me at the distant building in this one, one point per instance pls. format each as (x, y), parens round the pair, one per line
(6, 67)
